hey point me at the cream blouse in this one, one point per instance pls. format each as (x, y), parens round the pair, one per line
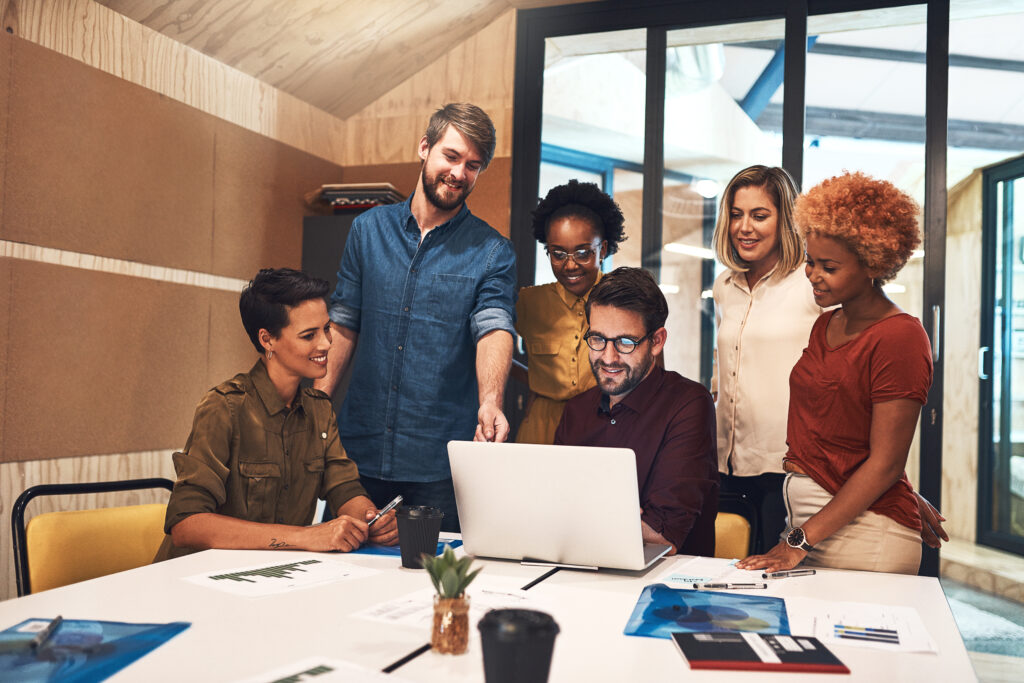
(761, 335)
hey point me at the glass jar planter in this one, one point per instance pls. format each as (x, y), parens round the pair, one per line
(450, 634)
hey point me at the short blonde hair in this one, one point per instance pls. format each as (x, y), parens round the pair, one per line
(781, 187)
(873, 218)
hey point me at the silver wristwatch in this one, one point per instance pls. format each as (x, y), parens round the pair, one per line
(796, 539)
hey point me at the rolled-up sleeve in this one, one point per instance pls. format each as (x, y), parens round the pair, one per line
(496, 297)
(347, 300)
(685, 471)
(202, 468)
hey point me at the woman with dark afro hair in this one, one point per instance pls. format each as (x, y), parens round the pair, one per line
(579, 225)
(857, 390)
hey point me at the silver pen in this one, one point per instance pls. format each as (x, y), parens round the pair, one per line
(386, 509)
(728, 586)
(788, 573)
(46, 633)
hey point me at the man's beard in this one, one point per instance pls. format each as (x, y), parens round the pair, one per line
(431, 190)
(630, 378)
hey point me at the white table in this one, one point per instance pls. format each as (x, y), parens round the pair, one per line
(233, 638)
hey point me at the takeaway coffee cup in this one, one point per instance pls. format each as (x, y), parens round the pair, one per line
(517, 645)
(418, 529)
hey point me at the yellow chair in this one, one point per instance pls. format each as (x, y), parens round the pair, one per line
(732, 535)
(59, 548)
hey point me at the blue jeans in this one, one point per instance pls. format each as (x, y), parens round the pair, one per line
(437, 494)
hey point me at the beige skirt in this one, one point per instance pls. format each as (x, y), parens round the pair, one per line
(871, 542)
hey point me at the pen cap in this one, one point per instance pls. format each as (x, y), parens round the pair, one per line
(517, 645)
(418, 530)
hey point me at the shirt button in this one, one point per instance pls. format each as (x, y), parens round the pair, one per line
(285, 487)
(580, 313)
(573, 360)
(574, 381)
(577, 336)
(389, 430)
(406, 309)
(394, 387)
(399, 347)
(323, 435)
(613, 420)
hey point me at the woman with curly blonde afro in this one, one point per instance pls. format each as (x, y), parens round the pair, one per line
(857, 390)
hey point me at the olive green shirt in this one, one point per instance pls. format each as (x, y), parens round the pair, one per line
(249, 456)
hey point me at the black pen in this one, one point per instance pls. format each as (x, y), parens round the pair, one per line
(728, 586)
(386, 509)
(45, 634)
(788, 573)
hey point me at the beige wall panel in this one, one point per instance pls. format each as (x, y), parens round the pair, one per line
(231, 352)
(15, 477)
(95, 35)
(963, 331)
(101, 363)
(259, 201)
(105, 167)
(6, 45)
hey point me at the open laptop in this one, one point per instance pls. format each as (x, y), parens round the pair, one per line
(561, 505)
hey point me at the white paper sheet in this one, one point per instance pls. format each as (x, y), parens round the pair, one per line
(881, 627)
(270, 579)
(324, 670)
(707, 570)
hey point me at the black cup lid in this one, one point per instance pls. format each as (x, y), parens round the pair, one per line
(518, 624)
(419, 511)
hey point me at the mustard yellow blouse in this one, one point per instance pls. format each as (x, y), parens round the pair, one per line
(552, 322)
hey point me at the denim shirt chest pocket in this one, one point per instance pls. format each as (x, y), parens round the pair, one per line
(446, 298)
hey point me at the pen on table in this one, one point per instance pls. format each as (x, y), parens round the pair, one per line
(386, 509)
(45, 634)
(729, 586)
(788, 573)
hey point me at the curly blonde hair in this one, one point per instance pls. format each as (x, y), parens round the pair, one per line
(873, 218)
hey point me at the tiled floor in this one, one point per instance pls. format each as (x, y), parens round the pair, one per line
(993, 631)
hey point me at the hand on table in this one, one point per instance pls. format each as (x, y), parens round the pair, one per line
(779, 558)
(343, 533)
(931, 522)
(385, 530)
(491, 424)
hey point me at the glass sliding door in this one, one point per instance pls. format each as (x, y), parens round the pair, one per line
(1001, 360)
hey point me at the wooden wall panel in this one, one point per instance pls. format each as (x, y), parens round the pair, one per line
(6, 281)
(101, 363)
(231, 352)
(105, 167)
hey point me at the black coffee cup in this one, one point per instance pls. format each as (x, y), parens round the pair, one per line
(517, 645)
(418, 529)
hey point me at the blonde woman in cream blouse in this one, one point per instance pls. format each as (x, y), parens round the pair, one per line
(765, 310)
(579, 225)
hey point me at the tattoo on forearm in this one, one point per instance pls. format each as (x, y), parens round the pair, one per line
(274, 543)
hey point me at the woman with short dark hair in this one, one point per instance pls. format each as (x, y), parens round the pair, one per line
(262, 450)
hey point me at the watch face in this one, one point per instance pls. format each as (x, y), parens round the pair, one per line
(795, 538)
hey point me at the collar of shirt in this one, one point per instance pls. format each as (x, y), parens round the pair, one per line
(739, 278)
(411, 225)
(267, 392)
(640, 398)
(571, 300)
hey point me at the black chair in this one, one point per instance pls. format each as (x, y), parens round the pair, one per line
(77, 545)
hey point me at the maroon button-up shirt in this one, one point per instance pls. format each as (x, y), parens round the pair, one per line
(669, 422)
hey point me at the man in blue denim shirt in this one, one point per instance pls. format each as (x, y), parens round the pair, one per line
(428, 291)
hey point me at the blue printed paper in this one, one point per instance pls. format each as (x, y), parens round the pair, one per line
(662, 610)
(395, 550)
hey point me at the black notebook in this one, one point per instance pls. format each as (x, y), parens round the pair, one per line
(756, 651)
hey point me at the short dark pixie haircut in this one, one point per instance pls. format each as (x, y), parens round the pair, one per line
(585, 201)
(266, 299)
(631, 289)
(468, 119)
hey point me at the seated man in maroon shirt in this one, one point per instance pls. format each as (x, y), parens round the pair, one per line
(668, 420)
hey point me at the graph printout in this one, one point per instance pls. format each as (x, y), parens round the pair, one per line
(883, 627)
(271, 579)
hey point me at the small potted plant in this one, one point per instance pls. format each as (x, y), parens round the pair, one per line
(450, 576)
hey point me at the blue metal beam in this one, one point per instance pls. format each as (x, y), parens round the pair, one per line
(761, 92)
